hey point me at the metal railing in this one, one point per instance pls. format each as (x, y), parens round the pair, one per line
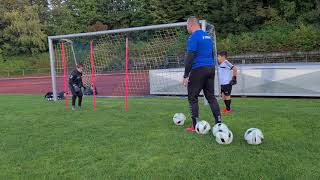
(286, 57)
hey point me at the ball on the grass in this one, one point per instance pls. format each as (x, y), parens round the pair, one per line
(178, 119)
(203, 127)
(247, 132)
(224, 137)
(230, 137)
(254, 136)
(219, 127)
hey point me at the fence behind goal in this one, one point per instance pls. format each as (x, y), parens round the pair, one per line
(157, 47)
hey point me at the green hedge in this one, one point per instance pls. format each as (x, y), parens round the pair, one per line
(275, 37)
(25, 64)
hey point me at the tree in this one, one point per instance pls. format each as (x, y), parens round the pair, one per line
(24, 24)
(123, 13)
(168, 11)
(61, 21)
(24, 32)
(98, 26)
(84, 11)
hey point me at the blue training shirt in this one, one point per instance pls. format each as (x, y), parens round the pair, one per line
(201, 43)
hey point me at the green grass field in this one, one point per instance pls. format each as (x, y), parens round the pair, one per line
(43, 140)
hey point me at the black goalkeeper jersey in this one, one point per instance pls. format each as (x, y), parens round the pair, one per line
(75, 78)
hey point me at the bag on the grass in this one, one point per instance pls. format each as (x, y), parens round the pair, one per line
(49, 96)
(88, 91)
(61, 95)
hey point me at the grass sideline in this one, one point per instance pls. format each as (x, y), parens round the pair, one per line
(43, 140)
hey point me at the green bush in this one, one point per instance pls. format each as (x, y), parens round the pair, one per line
(24, 64)
(305, 37)
(274, 37)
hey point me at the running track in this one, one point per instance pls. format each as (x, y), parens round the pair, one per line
(112, 84)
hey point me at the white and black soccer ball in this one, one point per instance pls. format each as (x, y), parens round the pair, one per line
(219, 127)
(254, 136)
(178, 119)
(203, 127)
(247, 132)
(224, 137)
(230, 137)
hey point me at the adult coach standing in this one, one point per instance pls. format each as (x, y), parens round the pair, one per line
(200, 71)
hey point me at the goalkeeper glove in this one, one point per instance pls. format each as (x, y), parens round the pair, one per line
(233, 80)
(76, 88)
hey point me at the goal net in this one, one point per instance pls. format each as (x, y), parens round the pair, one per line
(138, 61)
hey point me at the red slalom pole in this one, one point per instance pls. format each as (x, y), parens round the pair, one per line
(127, 74)
(92, 76)
(64, 63)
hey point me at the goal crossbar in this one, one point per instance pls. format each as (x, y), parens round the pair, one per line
(123, 30)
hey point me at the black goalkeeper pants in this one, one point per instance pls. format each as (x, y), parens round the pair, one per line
(75, 95)
(202, 79)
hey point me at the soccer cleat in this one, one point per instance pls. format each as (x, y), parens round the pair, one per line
(227, 111)
(190, 129)
(73, 108)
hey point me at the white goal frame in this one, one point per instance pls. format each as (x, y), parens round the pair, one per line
(204, 26)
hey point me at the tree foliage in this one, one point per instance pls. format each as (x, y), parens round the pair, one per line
(23, 31)
(240, 25)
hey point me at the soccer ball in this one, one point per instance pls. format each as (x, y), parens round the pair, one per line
(179, 119)
(219, 127)
(202, 127)
(224, 137)
(254, 136)
(230, 137)
(247, 132)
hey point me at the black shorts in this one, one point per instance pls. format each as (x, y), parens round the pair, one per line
(226, 89)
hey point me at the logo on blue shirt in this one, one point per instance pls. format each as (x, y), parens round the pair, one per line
(201, 43)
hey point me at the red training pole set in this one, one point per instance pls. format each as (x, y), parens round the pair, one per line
(64, 63)
(127, 74)
(92, 76)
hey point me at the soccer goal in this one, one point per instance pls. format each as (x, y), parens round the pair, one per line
(139, 61)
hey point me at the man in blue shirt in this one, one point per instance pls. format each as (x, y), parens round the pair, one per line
(200, 71)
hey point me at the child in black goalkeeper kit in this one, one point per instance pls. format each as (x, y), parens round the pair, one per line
(75, 84)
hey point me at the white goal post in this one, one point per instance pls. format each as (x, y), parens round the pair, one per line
(150, 48)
